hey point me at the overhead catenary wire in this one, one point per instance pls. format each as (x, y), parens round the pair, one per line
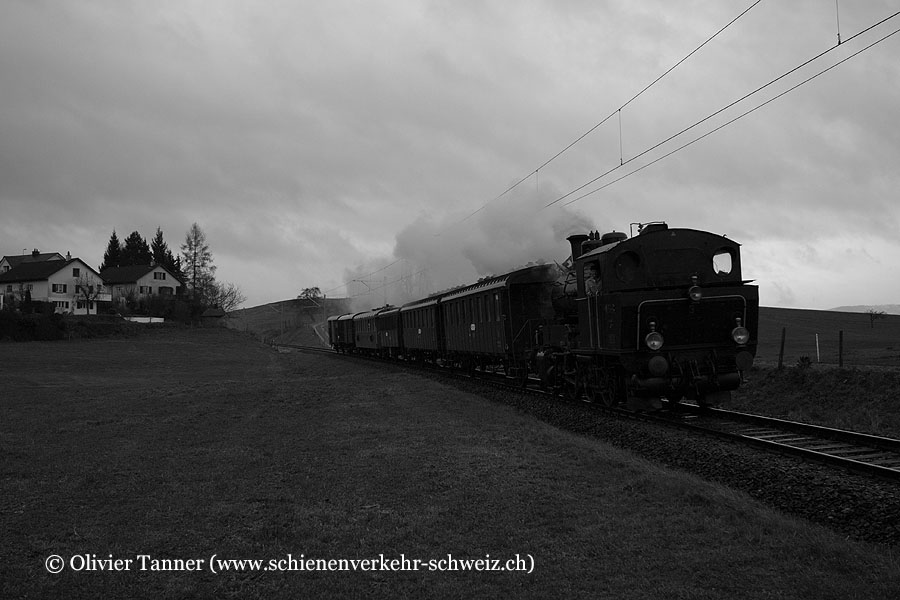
(618, 112)
(727, 123)
(724, 108)
(344, 285)
(389, 283)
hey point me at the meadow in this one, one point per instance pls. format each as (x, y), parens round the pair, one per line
(816, 335)
(207, 445)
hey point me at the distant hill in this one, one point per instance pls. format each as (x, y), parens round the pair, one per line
(294, 321)
(891, 309)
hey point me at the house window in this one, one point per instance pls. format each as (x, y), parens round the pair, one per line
(146, 289)
(29, 287)
(76, 272)
(158, 275)
(59, 288)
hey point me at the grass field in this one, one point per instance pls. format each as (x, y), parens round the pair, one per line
(183, 444)
(866, 343)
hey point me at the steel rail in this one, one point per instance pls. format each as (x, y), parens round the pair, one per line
(860, 452)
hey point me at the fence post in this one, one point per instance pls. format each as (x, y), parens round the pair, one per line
(781, 352)
(818, 356)
(841, 349)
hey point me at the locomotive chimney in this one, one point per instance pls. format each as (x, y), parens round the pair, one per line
(576, 241)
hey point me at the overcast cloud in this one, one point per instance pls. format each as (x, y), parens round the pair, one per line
(318, 142)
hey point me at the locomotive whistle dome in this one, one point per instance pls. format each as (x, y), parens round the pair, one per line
(612, 237)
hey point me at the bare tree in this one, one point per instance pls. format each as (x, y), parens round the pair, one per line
(87, 290)
(226, 296)
(874, 315)
(311, 293)
(197, 266)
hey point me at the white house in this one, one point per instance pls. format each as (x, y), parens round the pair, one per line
(69, 284)
(11, 261)
(141, 281)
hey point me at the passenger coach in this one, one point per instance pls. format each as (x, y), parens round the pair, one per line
(497, 321)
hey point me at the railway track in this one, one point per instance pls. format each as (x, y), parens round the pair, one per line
(858, 452)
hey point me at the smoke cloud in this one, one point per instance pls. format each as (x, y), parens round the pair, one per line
(434, 254)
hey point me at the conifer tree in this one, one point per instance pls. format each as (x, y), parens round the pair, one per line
(159, 248)
(162, 255)
(113, 255)
(136, 251)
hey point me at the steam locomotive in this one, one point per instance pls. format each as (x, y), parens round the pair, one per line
(663, 313)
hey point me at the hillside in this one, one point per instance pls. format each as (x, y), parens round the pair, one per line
(295, 321)
(891, 309)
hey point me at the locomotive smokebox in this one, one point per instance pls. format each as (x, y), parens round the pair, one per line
(576, 241)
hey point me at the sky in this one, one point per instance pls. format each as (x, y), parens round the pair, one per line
(387, 148)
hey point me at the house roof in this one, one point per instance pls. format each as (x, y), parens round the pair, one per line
(38, 271)
(132, 273)
(18, 259)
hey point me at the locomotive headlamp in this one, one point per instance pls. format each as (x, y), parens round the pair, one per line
(654, 340)
(695, 293)
(740, 335)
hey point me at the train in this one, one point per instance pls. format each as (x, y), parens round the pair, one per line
(663, 313)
